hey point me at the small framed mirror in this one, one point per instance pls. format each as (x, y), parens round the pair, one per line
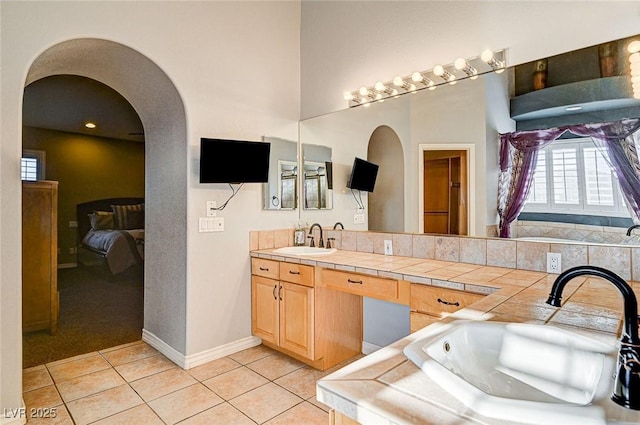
(281, 192)
(317, 187)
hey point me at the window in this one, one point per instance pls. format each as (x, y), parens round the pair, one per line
(574, 177)
(32, 165)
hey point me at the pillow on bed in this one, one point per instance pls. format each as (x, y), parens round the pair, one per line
(102, 220)
(129, 216)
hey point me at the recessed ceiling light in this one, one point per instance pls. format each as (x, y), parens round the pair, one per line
(89, 125)
(573, 108)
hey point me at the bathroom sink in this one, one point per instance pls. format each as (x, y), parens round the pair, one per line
(521, 372)
(304, 250)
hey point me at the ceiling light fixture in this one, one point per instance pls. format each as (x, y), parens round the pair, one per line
(90, 125)
(489, 61)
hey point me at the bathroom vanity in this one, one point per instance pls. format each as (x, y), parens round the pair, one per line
(385, 387)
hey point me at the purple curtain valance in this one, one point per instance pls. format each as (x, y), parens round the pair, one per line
(519, 152)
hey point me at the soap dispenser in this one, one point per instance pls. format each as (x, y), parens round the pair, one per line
(298, 236)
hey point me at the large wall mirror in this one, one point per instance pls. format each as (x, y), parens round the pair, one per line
(587, 85)
(317, 183)
(281, 192)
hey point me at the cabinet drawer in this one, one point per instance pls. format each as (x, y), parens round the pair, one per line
(297, 273)
(435, 300)
(265, 268)
(368, 286)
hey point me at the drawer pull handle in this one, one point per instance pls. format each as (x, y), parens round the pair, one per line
(264, 269)
(354, 281)
(292, 272)
(274, 292)
(457, 304)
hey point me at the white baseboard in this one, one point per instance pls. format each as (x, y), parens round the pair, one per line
(188, 362)
(67, 265)
(222, 351)
(16, 417)
(169, 352)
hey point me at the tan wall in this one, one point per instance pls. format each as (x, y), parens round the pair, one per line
(87, 168)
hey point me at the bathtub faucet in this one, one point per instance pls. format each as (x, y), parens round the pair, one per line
(635, 226)
(626, 387)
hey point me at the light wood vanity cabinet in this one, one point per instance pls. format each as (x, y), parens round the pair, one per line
(292, 315)
(283, 312)
(431, 303)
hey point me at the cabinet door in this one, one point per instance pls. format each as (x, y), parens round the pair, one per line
(264, 308)
(296, 319)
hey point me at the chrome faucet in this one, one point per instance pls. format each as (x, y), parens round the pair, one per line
(335, 226)
(635, 226)
(321, 242)
(626, 388)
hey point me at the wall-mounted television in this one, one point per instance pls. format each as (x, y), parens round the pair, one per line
(363, 175)
(233, 161)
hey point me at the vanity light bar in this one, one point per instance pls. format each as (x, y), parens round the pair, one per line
(488, 61)
(634, 65)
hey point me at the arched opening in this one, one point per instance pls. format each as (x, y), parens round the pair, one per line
(88, 143)
(385, 322)
(161, 110)
(386, 203)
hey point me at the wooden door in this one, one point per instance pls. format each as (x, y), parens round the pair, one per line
(296, 319)
(436, 196)
(264, 308)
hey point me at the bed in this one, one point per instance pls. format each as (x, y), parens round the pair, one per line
(111, 234)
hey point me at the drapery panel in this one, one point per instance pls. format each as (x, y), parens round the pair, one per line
(519, 153)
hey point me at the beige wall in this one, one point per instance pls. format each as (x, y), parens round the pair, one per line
(87, 168)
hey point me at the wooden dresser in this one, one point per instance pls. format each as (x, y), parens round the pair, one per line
(39, 256)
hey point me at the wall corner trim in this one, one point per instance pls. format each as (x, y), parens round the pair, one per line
(188, 362)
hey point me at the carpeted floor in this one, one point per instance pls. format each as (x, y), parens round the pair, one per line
(96, 312)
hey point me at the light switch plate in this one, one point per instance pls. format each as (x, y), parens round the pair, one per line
(388, 247)
(358, 219)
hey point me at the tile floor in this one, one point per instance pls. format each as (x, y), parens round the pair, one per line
(134, 384)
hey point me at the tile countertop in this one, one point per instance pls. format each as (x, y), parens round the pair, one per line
(378, 389)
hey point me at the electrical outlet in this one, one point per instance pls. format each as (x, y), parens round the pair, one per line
(211, 208)
(388, 247)
(73, 250)
(554, 262)
(358, 219)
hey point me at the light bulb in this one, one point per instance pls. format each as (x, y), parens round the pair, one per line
(634, 58)
(90, 125)
(460, 64)
(634, 46)
(416, 77)
(379, 86)
(398, 82)
(486, 56)
(499, 71)
(451, 78)
(394, 92)
(432, 86)
(378, 96)
(348, 95)
(412, 87)
(438, 70)
(363, 91)
(635, 68)
(635, 79)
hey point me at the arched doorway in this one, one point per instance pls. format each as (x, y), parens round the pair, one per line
(152, 94)
(386, 203)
